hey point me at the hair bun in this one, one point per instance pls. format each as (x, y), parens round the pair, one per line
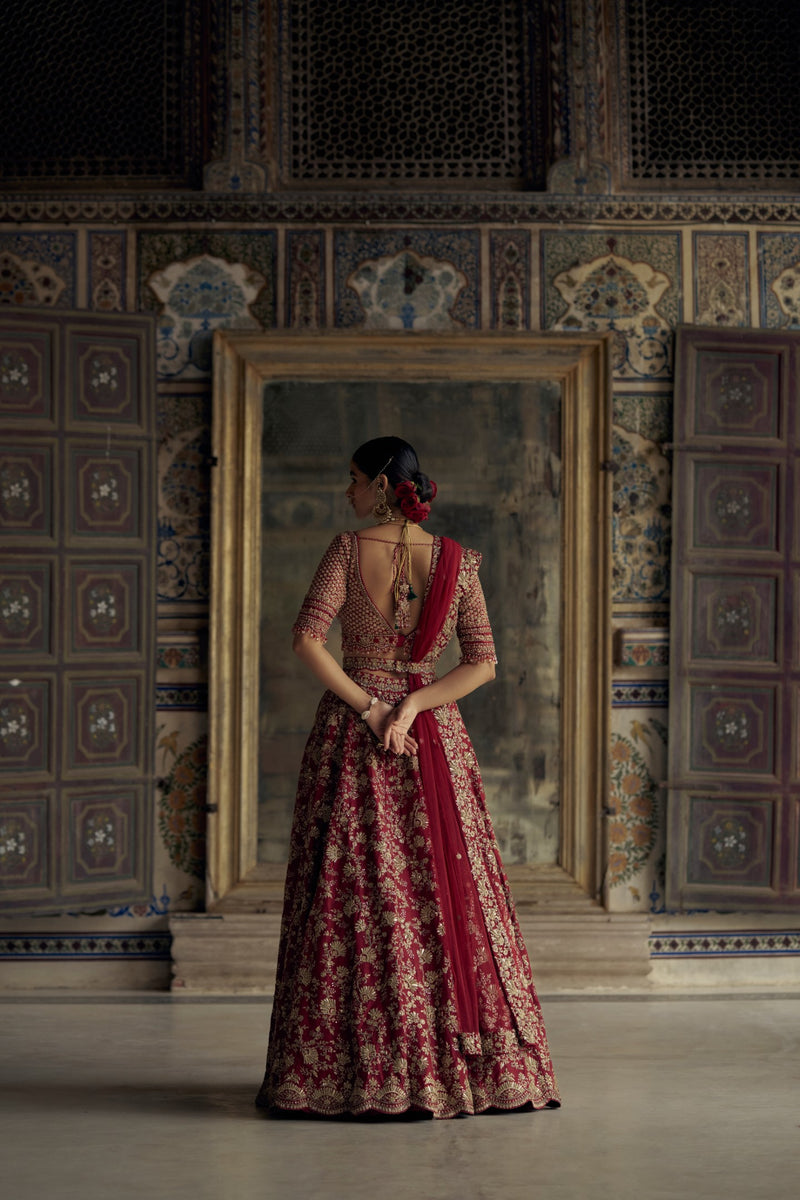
(426, 488)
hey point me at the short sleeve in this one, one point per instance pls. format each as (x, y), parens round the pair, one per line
(472, 626)
(327, 592)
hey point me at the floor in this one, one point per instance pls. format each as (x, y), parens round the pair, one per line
(152, 1097)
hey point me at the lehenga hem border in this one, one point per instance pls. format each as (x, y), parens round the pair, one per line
(279, 1110)
(520, 1100)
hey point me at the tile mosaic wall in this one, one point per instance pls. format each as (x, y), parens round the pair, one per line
(779, 280)
(184, 428)
(635, 818)
(509, 278)
(457, 276)
(199, 282)
(107, 271)
(305, 279)
(626, 283)
(641, 498)
(423, 279)
(721, 279)
(640, 521)
(38, 269)
(181, 817)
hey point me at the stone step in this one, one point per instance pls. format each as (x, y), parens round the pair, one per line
(237, 952)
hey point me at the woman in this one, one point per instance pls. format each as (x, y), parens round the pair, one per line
(403, 983)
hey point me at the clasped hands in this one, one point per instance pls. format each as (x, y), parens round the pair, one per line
(391, 725)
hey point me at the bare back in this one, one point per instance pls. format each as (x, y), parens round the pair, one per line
(376, 558)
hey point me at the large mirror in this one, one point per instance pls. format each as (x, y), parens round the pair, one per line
(515, 430)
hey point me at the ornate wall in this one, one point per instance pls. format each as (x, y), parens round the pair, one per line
(607, 241)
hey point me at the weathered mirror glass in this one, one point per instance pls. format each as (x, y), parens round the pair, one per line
(514, 431)
(495, 452)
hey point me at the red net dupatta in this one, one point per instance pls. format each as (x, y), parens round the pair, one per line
(465, 939)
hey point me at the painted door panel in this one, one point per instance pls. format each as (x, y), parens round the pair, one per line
(734, 798)
(77, 609)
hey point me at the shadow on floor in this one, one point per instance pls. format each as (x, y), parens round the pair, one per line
(190, 1100)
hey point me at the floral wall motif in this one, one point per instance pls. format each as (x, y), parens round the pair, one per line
(627, 283)
(184, 499)
(182, 804)
(649, 415)
(635, 819)
(407, 291)
(38, 269)
(643, 648)
(199, 282)
(197, 297)
(305, 279)
(722, 285)
(641, 520)
(107, 271)
(779, 279)
(425, 279)
(510, 279)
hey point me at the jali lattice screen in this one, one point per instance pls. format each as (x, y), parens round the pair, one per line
(405, 91)
(100, 92)
(710, 92)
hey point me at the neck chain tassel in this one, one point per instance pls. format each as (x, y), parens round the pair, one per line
(403, 591)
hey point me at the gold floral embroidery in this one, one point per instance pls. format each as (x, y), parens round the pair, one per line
(364, 1015)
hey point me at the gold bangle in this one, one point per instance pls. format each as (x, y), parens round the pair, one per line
(368, 709)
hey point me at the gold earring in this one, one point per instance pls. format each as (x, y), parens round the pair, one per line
(380, 509)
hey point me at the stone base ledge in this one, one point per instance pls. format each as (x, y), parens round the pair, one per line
(237, 953)
(92, 976)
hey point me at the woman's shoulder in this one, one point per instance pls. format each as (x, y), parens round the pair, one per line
(469, 563)
(341, 544)
(470, 559)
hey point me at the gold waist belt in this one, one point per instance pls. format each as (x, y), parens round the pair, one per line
(355, 663)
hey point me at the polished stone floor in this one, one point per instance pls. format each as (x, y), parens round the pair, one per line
(140, 1097)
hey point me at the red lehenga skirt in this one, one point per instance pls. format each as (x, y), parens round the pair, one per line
(403, 982)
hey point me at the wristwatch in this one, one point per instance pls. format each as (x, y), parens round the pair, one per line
(368, 709)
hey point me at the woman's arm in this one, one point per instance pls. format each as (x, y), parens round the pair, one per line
(319, 660)
(459, 682)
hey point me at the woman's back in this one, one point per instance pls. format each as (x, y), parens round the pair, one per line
(378, 553)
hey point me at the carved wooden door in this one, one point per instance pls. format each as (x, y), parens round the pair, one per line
(734, 800)
(77, 620)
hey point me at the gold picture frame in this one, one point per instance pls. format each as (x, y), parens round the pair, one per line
(244, 363)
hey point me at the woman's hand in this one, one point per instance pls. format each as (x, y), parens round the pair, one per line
(396, 736)
(378, 720)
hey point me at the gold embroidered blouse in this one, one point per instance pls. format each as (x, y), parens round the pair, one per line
(368, 641)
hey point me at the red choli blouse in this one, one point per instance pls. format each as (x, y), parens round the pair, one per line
(337, 590)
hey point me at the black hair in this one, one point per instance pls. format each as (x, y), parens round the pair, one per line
(397, 460)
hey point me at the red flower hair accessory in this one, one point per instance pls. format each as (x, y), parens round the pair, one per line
(412, 508)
